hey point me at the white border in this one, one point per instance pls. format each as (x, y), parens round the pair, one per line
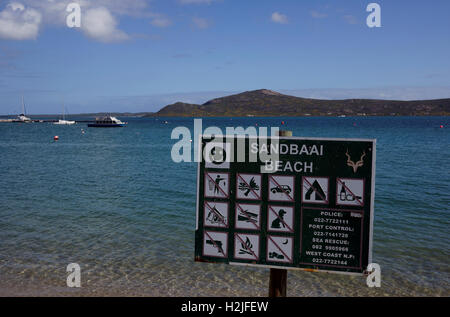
(293, 268)
(286, 137)
(199, 156)
(372, 198)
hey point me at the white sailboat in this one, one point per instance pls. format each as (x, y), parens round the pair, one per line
(22, 117)
(64, 121)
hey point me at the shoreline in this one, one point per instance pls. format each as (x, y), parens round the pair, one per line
(140, 115)
(195, 281)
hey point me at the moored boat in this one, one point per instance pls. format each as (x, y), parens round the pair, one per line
(107, 122)
(64, 121)
(22, 117)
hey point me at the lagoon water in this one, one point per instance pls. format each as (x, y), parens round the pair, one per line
(113, 201)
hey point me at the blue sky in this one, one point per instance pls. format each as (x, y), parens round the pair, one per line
(140, 55)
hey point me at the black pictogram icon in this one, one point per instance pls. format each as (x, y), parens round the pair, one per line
(347, 196)
(278, 222)
(217, 244)
(247, 216)
(216, 185)
(215, 217)
(275, 255)
(350, 192)
(247, 188)
(279, 249)
(246, 248)
(218, 155)
(281, 189)
(317, 190)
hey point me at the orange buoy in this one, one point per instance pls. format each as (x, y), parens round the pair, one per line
(282, 122)
(56, 138)
(442, 126)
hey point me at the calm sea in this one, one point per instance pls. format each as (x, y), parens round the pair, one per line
(113, 201)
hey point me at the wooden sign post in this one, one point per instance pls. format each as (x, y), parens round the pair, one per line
(277, 283)
(309, 207)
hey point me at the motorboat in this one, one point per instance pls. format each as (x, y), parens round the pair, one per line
(107, 122)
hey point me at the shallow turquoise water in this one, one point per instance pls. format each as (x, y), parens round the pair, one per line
(113, 201)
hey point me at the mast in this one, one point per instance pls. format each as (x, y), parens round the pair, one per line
(23, 106)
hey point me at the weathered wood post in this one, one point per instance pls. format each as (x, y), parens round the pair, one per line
(277, 283)
(278, 277)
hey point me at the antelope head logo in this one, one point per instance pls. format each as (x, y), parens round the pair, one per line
(357, 164)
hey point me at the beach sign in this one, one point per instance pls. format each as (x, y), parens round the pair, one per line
(311, 209)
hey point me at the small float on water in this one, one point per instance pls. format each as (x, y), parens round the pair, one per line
(107, 122)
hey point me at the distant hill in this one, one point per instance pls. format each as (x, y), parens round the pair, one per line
(270, 103)
(114, 114)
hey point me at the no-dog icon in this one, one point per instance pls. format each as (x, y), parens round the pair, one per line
(280, 219)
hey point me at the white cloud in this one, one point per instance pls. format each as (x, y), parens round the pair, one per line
(195, 1)
(350, 19)
(279, 18)
(56, 8)
(100, 24)
(19, 23)
(318, 15)
(200, 23)
(389, 93)
(99, 20)
(161, 22)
